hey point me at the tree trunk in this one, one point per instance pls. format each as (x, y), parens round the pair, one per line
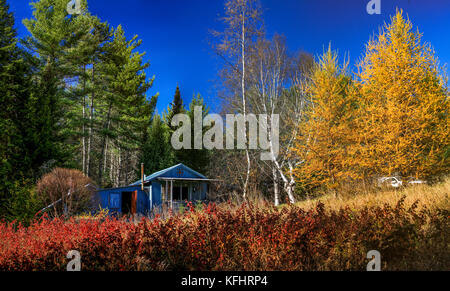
(111, 166)
(288, 184)
(105, 154)
(83, 155)
(275, 187)
(102, 164)
(291, 186)
(91, 123)
(244, 105)
(119, 167)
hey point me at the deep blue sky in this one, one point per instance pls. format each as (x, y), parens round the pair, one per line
(175, 32)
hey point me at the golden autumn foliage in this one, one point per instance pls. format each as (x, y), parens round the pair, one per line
(323, 138)
(403, 118)
(393, 119)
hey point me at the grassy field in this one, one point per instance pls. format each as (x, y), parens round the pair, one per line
(431, 196)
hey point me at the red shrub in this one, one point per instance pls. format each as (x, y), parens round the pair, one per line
(245, 238)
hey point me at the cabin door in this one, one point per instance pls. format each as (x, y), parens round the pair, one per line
(134, 203)
(129, 202)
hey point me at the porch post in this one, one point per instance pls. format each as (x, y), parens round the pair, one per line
(166, 192)
(171, 194)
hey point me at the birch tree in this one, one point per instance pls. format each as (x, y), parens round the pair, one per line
(275, 79)
(243, 26)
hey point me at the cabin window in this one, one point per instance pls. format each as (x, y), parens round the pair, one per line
(114, 201)
(180, 193)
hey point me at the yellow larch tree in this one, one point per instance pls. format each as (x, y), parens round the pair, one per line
(323, 138)
(403, 116)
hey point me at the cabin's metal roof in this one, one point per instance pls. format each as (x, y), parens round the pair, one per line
(162, 172)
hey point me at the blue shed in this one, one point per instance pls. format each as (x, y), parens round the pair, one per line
(166, 189)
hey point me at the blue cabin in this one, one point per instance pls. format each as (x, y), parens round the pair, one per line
(166, 189)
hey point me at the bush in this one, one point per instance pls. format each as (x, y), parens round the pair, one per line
(59, 184)
(239, 238)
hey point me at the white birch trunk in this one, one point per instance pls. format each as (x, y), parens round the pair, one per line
(275, 187)
(244, 105)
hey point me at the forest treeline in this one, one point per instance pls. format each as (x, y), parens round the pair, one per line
(74, 95)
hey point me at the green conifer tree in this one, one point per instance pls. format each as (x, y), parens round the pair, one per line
(157, 153)
(17, 138)
(176, 107)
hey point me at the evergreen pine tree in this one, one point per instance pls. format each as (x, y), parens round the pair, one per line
(8, 131)
(16, 135)
(125, 112)
(52, 35)
(194, 158)
(176, 107)
(197, 159)
(157, 152)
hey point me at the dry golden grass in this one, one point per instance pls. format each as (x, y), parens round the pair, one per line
(102, 214)
(434, 196)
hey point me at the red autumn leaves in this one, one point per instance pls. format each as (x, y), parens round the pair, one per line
(235, 238)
